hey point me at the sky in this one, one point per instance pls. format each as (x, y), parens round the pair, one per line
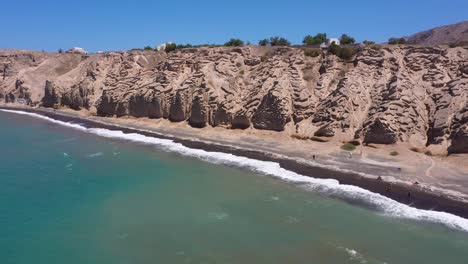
(120, 25)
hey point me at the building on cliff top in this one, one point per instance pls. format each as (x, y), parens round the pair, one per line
(77, 50)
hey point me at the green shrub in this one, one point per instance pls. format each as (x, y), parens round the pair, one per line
(148, 48)
(315, 40)
(345, 39)
(348, 147)
(264, 42)
(170, 47)
(344, 53)
(312, 52)
(279, 41)
(376, 47)
(368, 42)
(234, 43)
(394, 153)
(396, 41)
(184, 46)
(334, 49)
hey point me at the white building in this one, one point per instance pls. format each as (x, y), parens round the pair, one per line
(77, 50)
(329, 42)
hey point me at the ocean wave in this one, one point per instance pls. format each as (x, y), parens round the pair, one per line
(329, 186)
(94, 155)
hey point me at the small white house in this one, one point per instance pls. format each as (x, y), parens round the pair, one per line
(77, 50)
(329, 41)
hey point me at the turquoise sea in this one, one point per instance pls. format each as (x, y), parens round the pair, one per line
(71, 196)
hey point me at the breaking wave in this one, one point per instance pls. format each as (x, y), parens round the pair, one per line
(329, 186)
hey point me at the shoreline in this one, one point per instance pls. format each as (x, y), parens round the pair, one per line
(419, 197)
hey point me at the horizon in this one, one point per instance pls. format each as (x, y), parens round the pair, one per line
(119, 25)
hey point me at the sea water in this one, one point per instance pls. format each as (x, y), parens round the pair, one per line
(74, 195)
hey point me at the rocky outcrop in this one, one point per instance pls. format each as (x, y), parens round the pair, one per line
(395, 94)
(51, 96)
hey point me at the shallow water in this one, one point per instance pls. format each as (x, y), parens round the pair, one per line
(67, 196)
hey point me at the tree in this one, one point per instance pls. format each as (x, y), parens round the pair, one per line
(264, 42)
(60, 50)
(170, 47)
(279, 41)
(148, 48)
(234, 43)
(345, 39)
(368, 42)
(184, 46)
(316, 40)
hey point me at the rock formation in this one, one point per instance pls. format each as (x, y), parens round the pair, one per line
(395, 94)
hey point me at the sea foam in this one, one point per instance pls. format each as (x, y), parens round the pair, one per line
(329, 186)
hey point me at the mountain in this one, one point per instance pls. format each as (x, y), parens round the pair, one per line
(450, 34)
(385, 95)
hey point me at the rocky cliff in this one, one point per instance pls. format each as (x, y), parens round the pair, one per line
(417, 95)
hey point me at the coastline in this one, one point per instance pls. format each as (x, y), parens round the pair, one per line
(420, 198)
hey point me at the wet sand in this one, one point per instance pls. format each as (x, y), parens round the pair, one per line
(413, 195)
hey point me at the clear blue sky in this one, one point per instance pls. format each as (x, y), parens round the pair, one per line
(116, 25)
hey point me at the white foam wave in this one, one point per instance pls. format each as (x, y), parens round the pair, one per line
(94, 155)
(330, 186)
(354, 255)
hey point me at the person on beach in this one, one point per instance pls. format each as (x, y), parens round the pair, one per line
(379, 178)
(313, 157)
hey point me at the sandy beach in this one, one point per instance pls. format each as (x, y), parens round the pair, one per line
(443, 181)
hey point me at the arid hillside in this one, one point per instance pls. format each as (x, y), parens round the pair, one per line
(417, 95)
(444, 35)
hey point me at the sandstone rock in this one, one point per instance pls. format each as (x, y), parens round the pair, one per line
(198, 113)
(380, 133)
(396, 94)
(177, 109)
(272, 113)
(51, 97)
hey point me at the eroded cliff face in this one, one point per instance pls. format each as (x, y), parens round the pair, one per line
(397, 94)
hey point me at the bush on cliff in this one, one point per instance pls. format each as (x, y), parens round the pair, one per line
(312, 52)
(348, 147)
(344, 53)
(368, 42)
(170, 47)
(315, 40)
(234, 43)
(279, 41)
(346, 40)
(264, 42)
(396, 41)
